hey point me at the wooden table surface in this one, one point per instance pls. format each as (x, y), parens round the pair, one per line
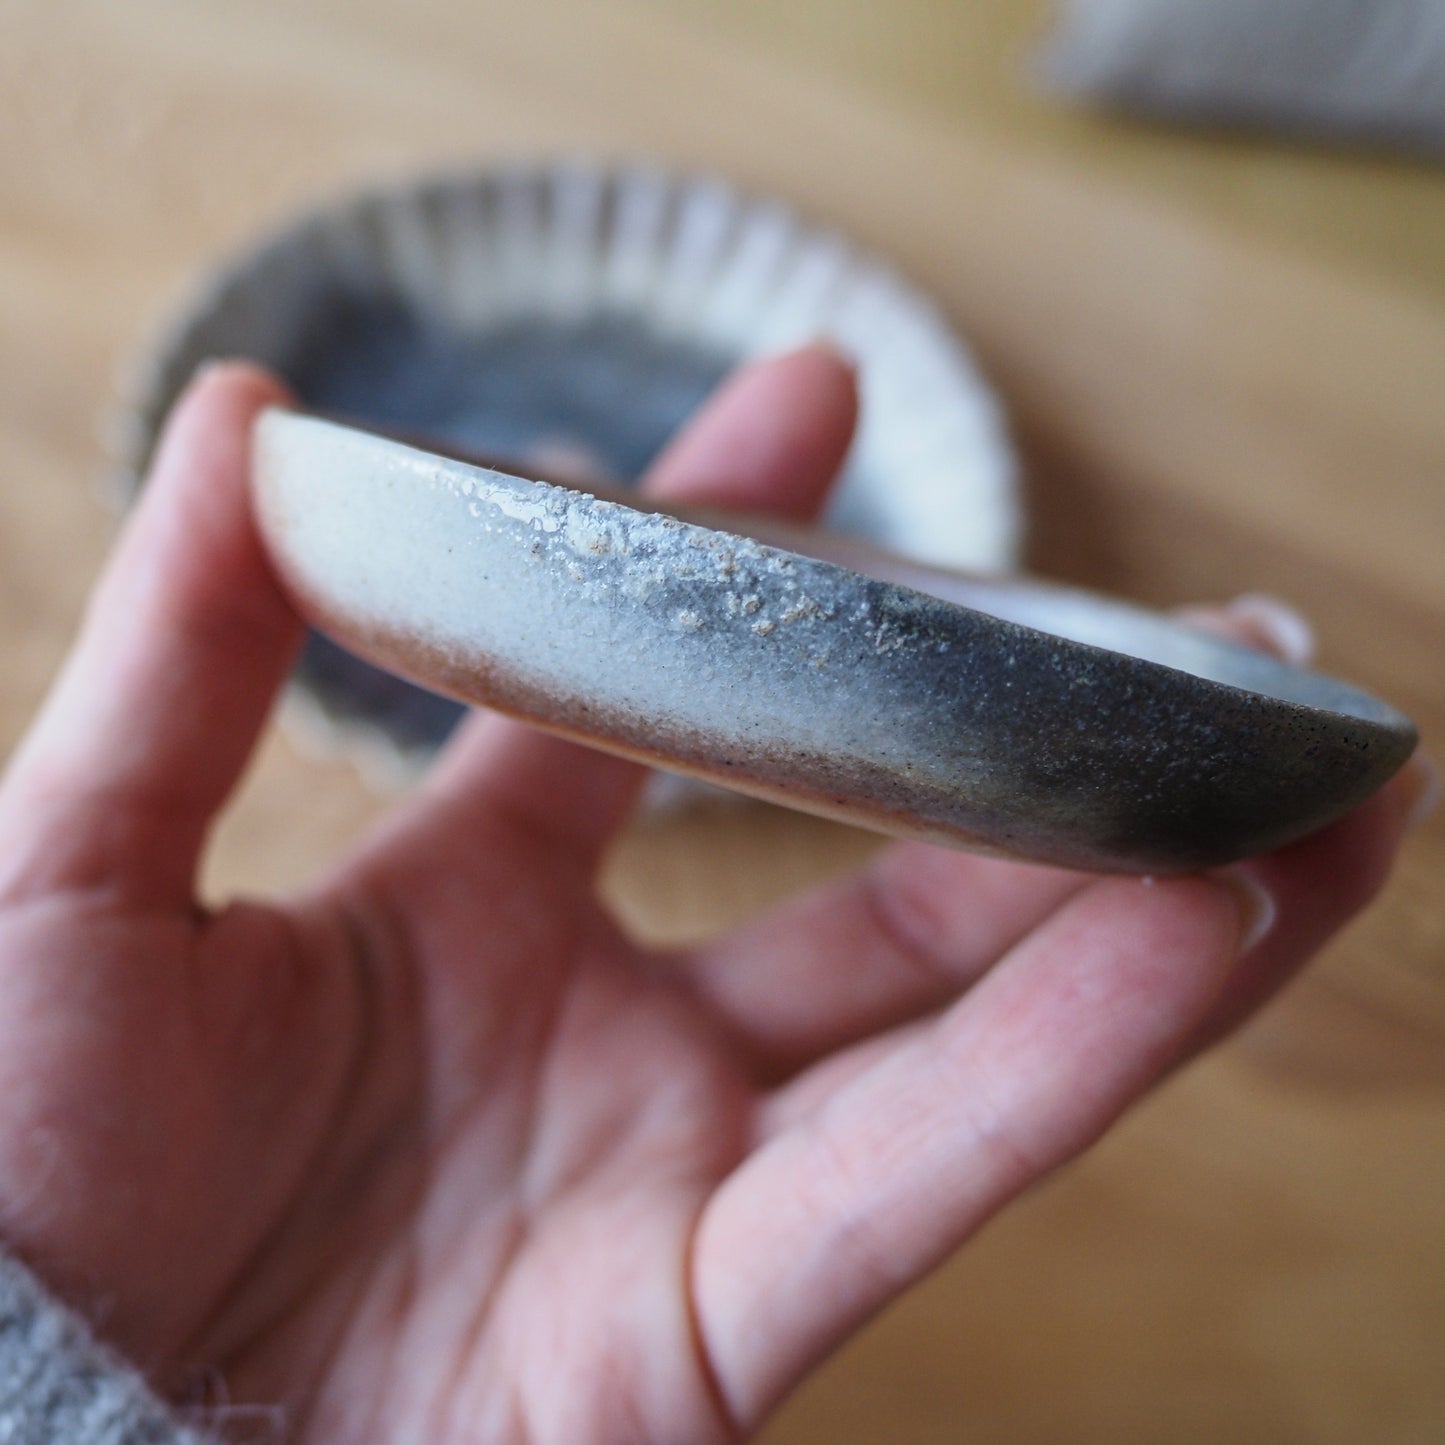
(1226, 366)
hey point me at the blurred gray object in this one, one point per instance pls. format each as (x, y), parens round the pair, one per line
(1367, 71)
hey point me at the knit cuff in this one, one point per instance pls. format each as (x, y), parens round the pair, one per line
(59, 1384)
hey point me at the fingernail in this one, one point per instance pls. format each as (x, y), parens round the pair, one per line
(1256, 907)
(1287, 632)
(1420, 782)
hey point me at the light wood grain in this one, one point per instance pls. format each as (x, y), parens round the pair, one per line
(1205, 403)
(978, 64)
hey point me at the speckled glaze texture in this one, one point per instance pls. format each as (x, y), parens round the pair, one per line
(811, 683)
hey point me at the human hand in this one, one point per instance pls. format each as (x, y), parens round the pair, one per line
(429, 1150)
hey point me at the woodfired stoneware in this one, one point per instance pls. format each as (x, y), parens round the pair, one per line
(1005, 715)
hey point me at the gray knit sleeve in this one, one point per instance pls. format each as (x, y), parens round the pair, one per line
(59, 1386)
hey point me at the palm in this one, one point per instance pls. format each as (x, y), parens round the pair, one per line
(431, 1151)
(570, 1121)
(490, 1106)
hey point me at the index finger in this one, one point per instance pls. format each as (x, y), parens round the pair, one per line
(184, 644)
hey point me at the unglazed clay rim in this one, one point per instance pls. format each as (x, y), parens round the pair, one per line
(809, 682)
(691, 255)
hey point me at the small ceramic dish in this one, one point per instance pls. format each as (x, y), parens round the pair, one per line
(1004, 715)
(578, 314)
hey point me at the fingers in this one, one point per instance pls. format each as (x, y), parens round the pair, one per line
(1312, 888)
(772, 439)
(1318, 885)
(907, 933)
(833, 1216)
(183, 646)
(878, 1161)
(1258, 621)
